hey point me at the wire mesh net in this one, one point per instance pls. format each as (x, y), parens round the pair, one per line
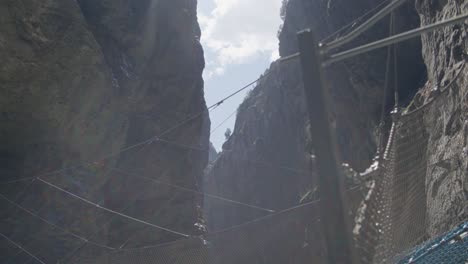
(288, 237)
(391, 227)
(451, 248)
(70, 219)
(395, 210)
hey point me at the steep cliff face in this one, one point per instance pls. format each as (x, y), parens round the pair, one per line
(253, 166)
(268, 158)
(83, 79)
(445, 53)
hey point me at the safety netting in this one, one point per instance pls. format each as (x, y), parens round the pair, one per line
(393, 217)
(451, 248)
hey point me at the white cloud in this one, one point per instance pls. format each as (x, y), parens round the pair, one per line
(219, 71)
(238, 31)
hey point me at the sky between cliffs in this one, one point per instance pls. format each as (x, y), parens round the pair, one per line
(240, 41)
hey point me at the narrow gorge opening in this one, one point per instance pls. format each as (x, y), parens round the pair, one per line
(411, 69)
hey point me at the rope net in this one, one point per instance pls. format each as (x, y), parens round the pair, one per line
(90, 217)
(290, 236)
(391, 223)
(282, 238)
(451, 248)
(392, 220)
(61, 228)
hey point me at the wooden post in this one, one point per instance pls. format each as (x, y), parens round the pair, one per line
(333, 210)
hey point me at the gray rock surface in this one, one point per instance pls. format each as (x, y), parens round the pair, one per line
(80, 80)
(445, 53)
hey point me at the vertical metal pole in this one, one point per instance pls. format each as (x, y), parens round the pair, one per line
(333, 211)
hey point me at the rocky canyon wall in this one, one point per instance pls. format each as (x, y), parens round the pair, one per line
(268, 158)
(445, 54)
(80, 80)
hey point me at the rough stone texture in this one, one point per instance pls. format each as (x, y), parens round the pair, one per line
(445, 53)
(82, 79)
